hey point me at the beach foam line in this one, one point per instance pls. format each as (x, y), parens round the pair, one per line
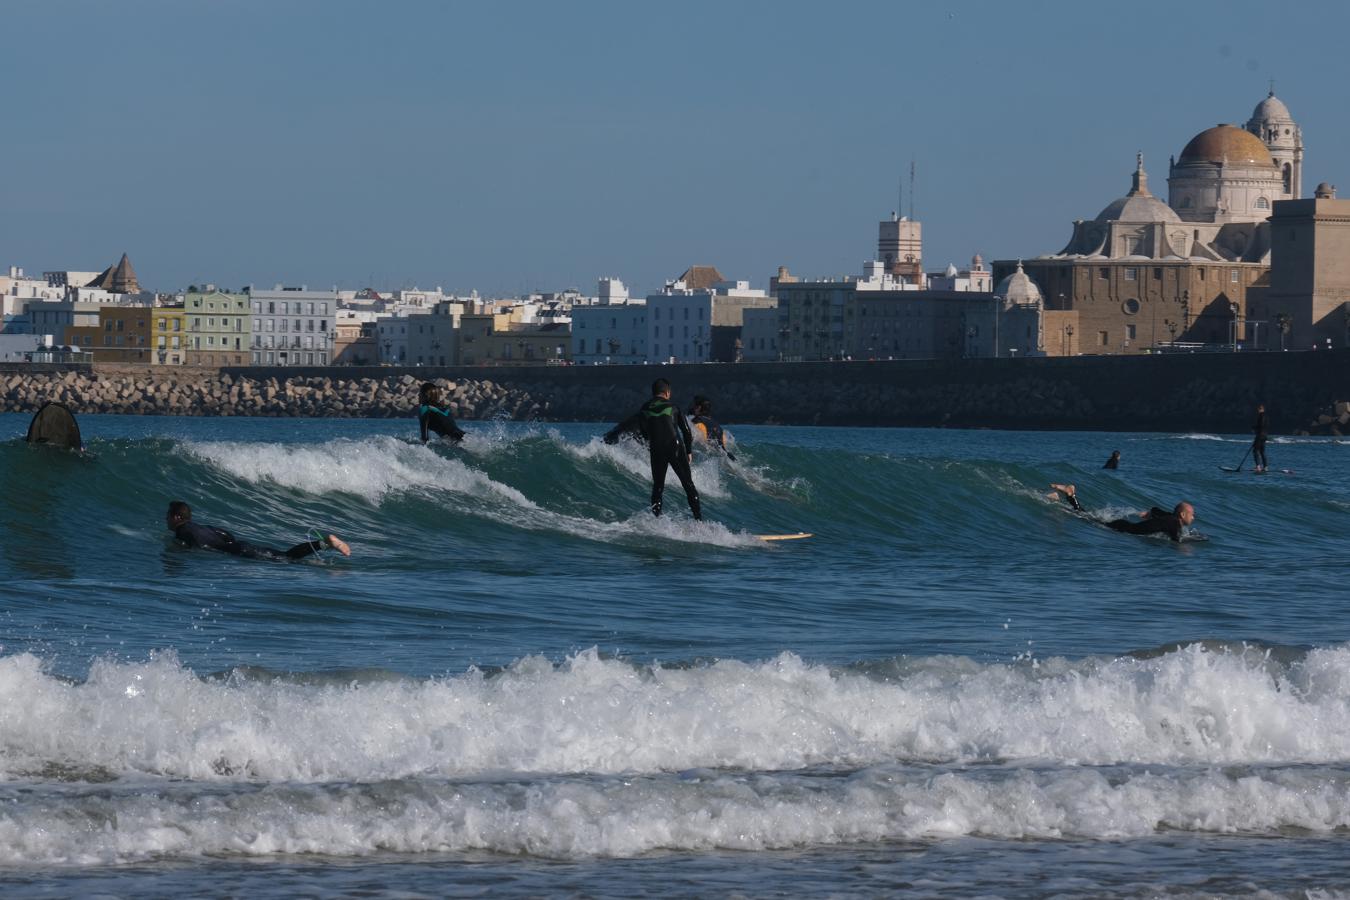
(578, 818)
(1186, 706)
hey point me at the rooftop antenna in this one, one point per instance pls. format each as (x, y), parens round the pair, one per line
(911, 190)
(900, 189)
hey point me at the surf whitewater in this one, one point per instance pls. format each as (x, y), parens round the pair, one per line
(519, 660)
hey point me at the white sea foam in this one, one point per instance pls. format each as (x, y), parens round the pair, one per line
(376, 468)
(588, 714)
(628, 816)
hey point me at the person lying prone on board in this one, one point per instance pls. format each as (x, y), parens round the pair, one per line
(1151, 521)
(192, 534)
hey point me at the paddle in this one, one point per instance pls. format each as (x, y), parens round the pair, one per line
(1239, 465)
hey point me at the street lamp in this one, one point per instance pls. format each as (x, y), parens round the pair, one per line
(1233, 305)
(1172, 330)
(1068, 334)
(1283, 322)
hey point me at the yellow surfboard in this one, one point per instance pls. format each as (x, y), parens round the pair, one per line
(784, 537)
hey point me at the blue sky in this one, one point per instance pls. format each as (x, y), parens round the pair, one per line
(511, 146)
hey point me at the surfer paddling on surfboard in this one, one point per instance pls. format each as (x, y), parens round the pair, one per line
(1152, 521)
(191, 534)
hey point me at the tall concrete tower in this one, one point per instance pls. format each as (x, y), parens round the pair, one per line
(900, 248)
(1276, 128)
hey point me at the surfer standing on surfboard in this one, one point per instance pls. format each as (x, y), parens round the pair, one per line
(666, 432)
(1259, 443)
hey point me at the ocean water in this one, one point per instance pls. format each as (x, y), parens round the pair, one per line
(521, 683)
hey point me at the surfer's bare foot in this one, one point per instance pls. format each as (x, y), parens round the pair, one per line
(1066, 489)
(339, 545)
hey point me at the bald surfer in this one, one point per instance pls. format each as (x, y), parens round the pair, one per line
(432, 416)
(1151, 521)
(663, 428)
(192, 534)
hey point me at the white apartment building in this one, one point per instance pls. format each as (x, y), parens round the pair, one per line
(679, 325)
(293, 326)
(391, 335)
(433, 339)
(760, 334)
(613, 332)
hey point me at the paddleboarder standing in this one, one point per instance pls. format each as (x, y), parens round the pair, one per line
(1259, 442)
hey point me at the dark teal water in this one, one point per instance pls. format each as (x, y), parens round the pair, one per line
(521, 682)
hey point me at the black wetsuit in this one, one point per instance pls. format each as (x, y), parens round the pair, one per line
(1159, 521)
(1259, 444)
(433, 418)
(665, 430)
(713, 431)
(191, 534)
(1112, 462)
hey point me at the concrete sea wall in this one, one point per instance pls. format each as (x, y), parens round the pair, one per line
(1210, 392)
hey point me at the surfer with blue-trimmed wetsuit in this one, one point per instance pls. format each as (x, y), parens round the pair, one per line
(663, 428)
(208, 537)
(433, 417)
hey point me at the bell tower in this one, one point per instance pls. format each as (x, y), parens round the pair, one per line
(1276, 128)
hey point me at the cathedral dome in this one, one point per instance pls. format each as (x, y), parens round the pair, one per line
(1139, 205)
(1271, 109)
(1226, 143)
(1018, 289)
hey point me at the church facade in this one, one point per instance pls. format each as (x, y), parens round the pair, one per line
(1145, 275)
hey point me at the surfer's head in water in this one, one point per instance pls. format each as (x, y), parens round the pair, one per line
(701, 406)
(430, 394)
(1184, 512)
(179, 514)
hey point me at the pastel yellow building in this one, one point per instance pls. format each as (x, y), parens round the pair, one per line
(167, 335)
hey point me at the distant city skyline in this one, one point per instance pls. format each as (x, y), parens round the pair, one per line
(528, 146)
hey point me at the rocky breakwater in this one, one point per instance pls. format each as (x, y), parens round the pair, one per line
(188, 393)
(1334, 420)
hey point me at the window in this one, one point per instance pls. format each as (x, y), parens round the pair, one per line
(1157, 274)
(1131, 274)
(1262, 203)
(177, 324)
(1233, 276)
(1201, 274)
(311, 308)
(285, 308)
(1104, 273)
(323, 309)
(162, 323)
(1129, 332)
(211, 322)
(686, 314)
(1102, 338)
(656, 313)
(196, 323)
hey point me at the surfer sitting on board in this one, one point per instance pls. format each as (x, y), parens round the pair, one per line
(1113, 462)
(1153, 521)
(431, 416)
(666, 432)
(191, 534)
(706, 427)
